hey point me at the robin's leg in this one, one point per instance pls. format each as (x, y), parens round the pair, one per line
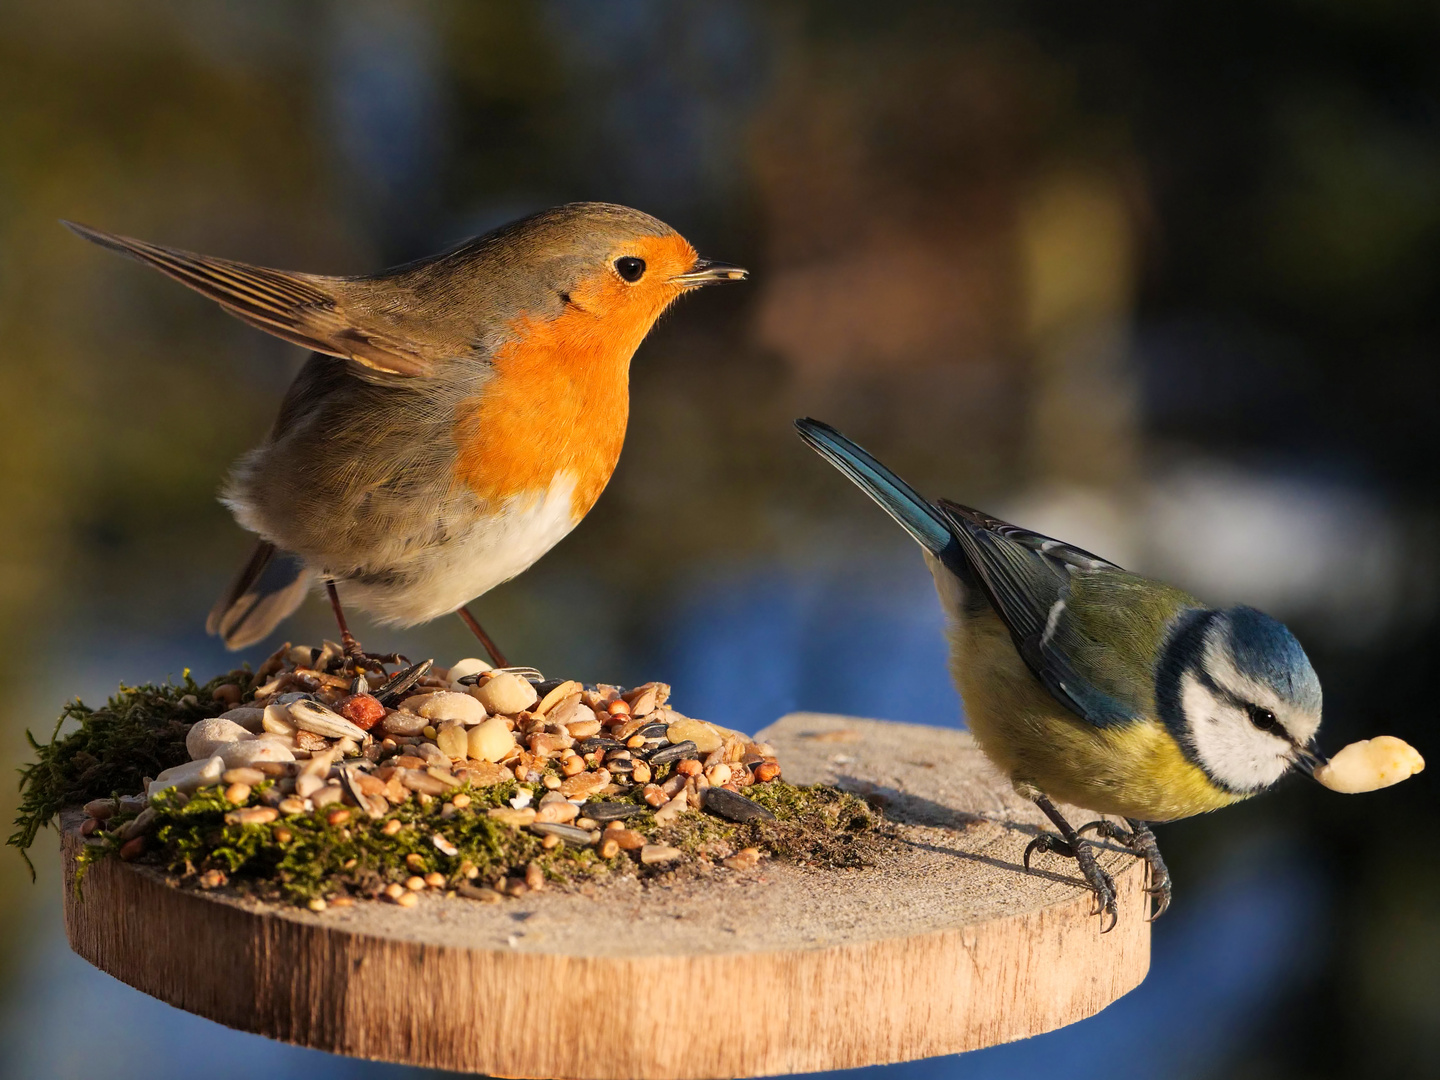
(496, 656)
(355, 656)
(1142, 842)
(1073, 846)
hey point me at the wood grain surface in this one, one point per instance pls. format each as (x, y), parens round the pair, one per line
(947, 945)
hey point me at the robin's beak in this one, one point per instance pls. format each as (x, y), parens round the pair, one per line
(705, 272)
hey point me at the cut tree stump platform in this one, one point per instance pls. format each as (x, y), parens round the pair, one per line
(948, 945)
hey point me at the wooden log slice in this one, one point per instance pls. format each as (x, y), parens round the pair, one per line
(948, 945)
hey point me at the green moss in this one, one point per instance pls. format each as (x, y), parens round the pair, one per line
(141, 731)
(138, 733)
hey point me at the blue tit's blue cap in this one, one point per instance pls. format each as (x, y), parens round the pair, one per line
(1266, 650)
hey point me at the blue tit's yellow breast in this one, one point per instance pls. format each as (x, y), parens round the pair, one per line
(1132, 770)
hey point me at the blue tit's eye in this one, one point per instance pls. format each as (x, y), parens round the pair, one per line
(630, 268)
(1262, 718)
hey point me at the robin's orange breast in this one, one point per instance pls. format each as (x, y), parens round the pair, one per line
(558, 403)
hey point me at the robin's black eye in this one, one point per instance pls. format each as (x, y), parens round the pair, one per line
(629, 267)
(1262, 718)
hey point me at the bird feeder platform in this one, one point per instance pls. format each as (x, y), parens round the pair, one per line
(947, 945)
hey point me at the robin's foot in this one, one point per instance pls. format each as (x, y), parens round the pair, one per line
(1071, 845)
(1140, 840)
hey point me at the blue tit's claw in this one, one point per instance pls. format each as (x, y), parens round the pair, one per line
(1140, 841)
(1047, 842)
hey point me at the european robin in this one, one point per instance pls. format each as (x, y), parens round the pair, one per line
(459, 414)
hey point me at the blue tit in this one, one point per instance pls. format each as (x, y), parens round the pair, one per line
(1087, 684)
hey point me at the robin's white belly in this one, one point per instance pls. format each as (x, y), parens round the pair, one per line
(443, 577)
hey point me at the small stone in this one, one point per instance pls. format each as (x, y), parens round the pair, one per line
(534, 877)
(452, 741)
(487, 773)
(444, 846)
(557, 812)
(733, 806)
(362, 710)
(550, 842)
(408, 899)
(227, 694)
(415, 884)
(306, 784)
(706, 739)
(188, 777)
(132, 849)
(328, 795)
(460, 801)
(744, 859)
(255, 751)
(90, 826)
(672, 809)
(585, 783)
(654, 854)
(506, 693)
(424, 783)
(252, 815)
(207, 736)
(435, 879)
(100, 808)
(491, 740)
(238, 794)
(402, 723)
(292, 805)
(394, 890)
(317, 904)
(509, 816)
(277, 720)
(338, 815)
(627, 839)
(243, 775)
(474, 892)
(391, 827)
(212, 879)
(139, 825)
(247, 716)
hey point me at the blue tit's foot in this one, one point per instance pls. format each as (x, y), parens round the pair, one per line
(1140, 840)
(1071, 845)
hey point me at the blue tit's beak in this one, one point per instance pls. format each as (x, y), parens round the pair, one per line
(1307, 759)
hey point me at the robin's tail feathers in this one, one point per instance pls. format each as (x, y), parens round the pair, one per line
(897, 498)
(269, 587)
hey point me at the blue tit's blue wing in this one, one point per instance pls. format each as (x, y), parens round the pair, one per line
(1098, 665)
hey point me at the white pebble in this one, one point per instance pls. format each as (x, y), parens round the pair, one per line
(207, 736)
(253, 751)
(506, 693)
(277, 721)
(187, 777)
(449, 705)
(491, 740)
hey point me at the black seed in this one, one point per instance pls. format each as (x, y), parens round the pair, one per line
(652, 731)
(664, 756)
(402, 681)
(732, 806)
(619, 765)
(610, 811)
(596, 742)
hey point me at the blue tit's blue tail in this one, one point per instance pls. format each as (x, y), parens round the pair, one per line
(897, 498)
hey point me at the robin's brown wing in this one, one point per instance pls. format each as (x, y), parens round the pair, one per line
(297, 307)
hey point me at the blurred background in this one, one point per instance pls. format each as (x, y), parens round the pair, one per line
(1163, 280)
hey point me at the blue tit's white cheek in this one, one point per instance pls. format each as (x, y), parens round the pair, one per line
(1229, 747)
